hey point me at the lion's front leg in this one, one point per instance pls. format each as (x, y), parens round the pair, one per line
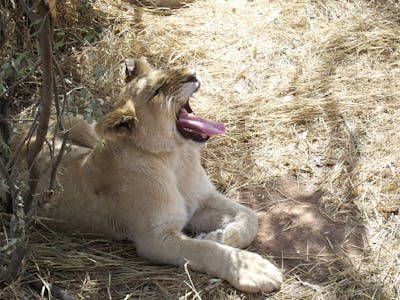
(222, 220)
(245, 270)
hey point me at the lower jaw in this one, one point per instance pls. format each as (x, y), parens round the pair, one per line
(197, 137)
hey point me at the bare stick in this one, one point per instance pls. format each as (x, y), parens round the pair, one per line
(3, 35)
(59, 126)
(22, 143)
(64, 88)
(10, 183)
(5, 132)
(45, 101)
(58, 161)
(15, 263)
(47, 91)
(42, 120)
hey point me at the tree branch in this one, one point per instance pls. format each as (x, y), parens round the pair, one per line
(59, 126)
(10, 183)
(22, 143)
(43, 115)
(45, 39)
(3, 35)
(14, 265)
(5, 135)
(64, 90)
(58, 161)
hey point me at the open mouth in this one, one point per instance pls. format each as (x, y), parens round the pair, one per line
(196, 128)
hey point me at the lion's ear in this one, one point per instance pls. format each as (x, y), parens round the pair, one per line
(118, 123)
(135, 67)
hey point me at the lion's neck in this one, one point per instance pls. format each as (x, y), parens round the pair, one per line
(156, 140)
(153, 144)
(141, 145)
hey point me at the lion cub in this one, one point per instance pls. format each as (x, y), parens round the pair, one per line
(137, 176)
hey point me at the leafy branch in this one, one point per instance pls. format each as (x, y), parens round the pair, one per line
(24, 209)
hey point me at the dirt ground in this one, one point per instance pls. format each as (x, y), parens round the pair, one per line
(296, 230)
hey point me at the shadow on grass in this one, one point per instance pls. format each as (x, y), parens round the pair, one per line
(298, 233)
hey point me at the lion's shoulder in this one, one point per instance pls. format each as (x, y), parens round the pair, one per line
(80, 132)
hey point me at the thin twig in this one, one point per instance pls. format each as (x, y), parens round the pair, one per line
(59, 125)
(191, 285)
(22, 143)
(23, 78)
(56, 128)
(5, 131)
(64, 88)
(27, 11)
(58, 161)
(3, 34)
(7, 178)
(15, 263)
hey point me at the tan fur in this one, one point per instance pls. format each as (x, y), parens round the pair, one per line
(142, 181)
(80, 132)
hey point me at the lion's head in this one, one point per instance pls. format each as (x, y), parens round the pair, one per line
(153, 110)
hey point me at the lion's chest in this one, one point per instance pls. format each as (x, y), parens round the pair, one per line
(191, 180)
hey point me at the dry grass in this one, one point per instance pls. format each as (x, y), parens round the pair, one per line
(305, 87)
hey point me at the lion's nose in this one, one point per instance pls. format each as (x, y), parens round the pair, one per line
(192, 77)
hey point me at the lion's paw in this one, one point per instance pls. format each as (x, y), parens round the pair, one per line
(250, 272)
(234, 236)
(223, 236)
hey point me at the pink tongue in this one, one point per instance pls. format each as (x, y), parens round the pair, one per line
(199, 124)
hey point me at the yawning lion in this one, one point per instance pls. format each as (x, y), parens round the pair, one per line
(137, 176)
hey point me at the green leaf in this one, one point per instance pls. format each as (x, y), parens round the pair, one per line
(19, 58)
(88, 118)
(3, 186)
(6, 65)
(31, 65)
(58, 45)
(60, 33)
(2, 87)
(68, 147)
(100, 71)
(98, 114)
(91, 37)
(20, 214)
(71, 99)
(58, 187)
(20, 73)
(38, 21)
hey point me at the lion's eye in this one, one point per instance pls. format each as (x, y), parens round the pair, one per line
(156, 91)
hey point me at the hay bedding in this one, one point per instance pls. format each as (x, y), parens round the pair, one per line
(307, 88)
